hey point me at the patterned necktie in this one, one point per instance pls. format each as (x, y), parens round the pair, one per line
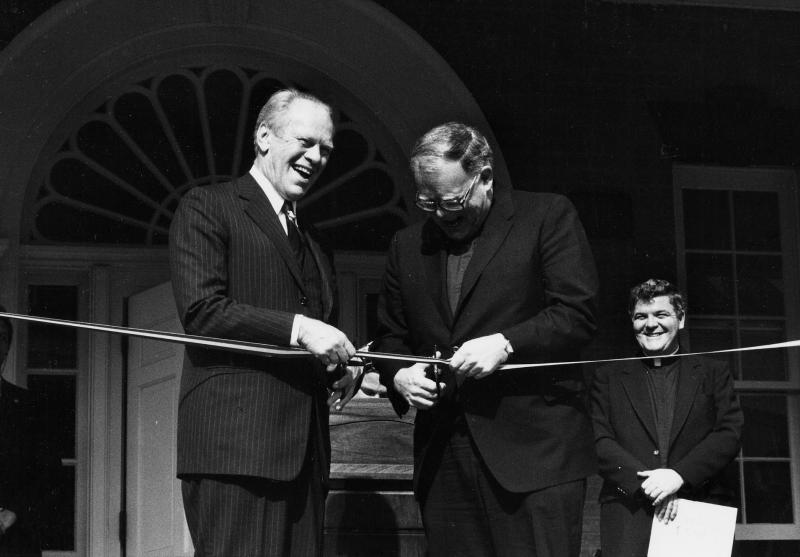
(292, 230)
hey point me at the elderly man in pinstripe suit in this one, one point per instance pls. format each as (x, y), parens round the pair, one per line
(253, 445)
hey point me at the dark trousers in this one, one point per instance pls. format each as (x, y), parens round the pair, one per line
(625, 528)
(467, 513)
(237, 516)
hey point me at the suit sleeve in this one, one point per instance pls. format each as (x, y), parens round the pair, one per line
(716, 449)
(199, 239)
(570, 286)
(616, 464)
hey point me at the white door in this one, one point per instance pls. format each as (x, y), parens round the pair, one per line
(156, 526)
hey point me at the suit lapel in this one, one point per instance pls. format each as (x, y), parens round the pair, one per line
(635, 384)
(689, 375)
(495, 229)
(259, 209)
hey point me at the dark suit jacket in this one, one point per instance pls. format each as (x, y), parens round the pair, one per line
(532, 278)
(706, 428)
(235, 276)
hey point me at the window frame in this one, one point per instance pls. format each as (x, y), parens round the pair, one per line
(783, 181)
(80, 462)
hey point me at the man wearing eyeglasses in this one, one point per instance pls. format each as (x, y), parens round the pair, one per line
(253, 445)
(491, 276)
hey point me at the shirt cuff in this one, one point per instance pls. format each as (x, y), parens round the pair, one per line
(295, 330)
(508, 348)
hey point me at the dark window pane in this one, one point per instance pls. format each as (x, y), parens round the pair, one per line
(58, 531)
(764, 365)
(766, 548)
(178, 94)
(729, 481)
(757, 221)
(136, 114)
(765, 432)
(52, 346)
(57, 396)
(80, 182)
(768, 493)
(224, 91)
(61, 223)
(706, 219)
(710, 283)
(722, 336)
(760, 285)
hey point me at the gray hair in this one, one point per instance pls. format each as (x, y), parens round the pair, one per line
(277, 104)
(452, 141)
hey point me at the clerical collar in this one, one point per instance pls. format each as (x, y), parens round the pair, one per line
(662, 361)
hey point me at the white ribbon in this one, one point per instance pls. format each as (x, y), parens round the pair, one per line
(208, 342)
(271, 350)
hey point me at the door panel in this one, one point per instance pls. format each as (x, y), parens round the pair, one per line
(155, 521)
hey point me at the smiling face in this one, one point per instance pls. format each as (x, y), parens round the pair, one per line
(296, 152)
(439, 179)
(656, 325)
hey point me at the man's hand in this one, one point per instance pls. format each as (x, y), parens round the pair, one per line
(660, 484)
(7, 520)
(668, 509)
(479, 357)
(415, 387)
(371, 384)
(344, 388)
(330, 345)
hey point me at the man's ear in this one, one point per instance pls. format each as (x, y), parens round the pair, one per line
(263, 138)
(487, 176)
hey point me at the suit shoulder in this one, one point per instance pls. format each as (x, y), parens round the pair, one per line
(540, 198)
(541, 203)
(214, 191)
(705, 362)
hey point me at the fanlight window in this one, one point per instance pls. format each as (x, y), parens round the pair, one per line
(119, 175)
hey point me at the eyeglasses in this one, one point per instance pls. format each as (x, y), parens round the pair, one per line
(450, 205)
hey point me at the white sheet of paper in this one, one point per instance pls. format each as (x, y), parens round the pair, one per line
(699, 530)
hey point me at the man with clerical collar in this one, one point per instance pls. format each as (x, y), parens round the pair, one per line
(665, 426)
(491, 274)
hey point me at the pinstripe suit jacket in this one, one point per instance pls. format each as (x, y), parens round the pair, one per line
(235, 276)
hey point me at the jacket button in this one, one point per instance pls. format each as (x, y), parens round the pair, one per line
(656, 452)
(303, 301)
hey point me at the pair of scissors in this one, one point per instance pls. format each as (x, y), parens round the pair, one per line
(437, 370)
